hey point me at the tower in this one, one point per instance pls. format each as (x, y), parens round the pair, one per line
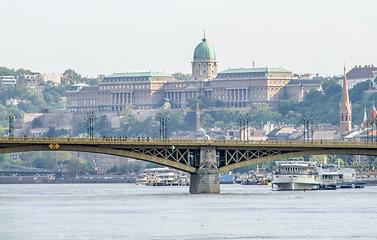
(204, 64)
(345, 109)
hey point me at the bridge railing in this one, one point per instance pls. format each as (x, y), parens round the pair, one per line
(148, 141)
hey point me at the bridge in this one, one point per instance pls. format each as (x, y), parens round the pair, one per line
(204, 159)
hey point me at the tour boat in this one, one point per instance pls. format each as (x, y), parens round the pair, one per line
(297, 174)
(162, 177)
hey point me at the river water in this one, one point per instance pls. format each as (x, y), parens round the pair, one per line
(128, 211)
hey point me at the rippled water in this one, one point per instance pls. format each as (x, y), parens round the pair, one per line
(127, 211)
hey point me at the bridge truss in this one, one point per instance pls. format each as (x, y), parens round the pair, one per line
(184, 154)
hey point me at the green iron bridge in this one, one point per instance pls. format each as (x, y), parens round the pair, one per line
(202, 158)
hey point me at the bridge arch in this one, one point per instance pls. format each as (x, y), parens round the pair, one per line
(115, 152)
(298, 154)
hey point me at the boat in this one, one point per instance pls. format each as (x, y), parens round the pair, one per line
(297, 174)
(162, 177)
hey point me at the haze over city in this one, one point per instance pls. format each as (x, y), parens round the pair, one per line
(102, 37)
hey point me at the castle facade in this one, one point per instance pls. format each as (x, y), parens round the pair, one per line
(239, 88)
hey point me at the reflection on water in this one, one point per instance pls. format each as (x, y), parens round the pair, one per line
(128, 211)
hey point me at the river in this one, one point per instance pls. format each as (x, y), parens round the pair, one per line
(128, 211)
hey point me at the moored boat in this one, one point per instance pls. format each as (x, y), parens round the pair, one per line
(162, 177)
(296, 174)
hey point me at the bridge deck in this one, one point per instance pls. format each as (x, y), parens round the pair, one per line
(184, 153)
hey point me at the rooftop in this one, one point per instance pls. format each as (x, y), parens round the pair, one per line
(361, 72)
(314, 81)
(255, 70)
(139, 74)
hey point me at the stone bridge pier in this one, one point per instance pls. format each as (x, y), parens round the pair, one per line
(206, 179)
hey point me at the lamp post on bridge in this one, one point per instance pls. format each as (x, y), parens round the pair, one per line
(11, 116)
(308, 127)
(90, 119)
(244, 126)
(163, 125)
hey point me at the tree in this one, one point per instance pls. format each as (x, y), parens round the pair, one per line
(181, 76)
(60, 132)
(4, 158)
(126, 114)
(46, 160)
(113, 169)
(85, 166)
(38, 101)
(102, 126)
(136, 167)
(27, 107)
(153, 165)
(331, 87)
(70, 76)
(284, 106)
(50, 132)
(73, 167)
(36, 123)
(63, 156)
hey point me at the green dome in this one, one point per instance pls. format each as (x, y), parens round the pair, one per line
(204, 51)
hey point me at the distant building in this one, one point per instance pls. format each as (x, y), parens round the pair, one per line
(15, 101)
(359, 74)
(36, 87)
(297, 88)
(238, 87)
(8, 81)
(52, 78)
(45, 78)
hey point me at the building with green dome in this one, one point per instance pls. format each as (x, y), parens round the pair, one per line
(204, 64)
(238, 87)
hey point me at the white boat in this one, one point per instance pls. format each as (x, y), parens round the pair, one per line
(343, 177)
(297, 174)
(162, 177)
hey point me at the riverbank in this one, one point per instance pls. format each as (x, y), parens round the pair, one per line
(49, 180)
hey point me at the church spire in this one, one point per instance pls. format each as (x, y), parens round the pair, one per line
(345, 108)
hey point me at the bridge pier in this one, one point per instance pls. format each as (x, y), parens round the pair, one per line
(206, 179)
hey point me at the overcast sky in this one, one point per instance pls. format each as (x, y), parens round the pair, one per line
(103, 37)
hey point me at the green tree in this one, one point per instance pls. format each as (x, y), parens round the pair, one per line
(102, 126)
(73, 167)
(60, 132)
(70, 75)
(136, 167)
(45, 160)
(27, 107)
(50, 132)
(331, 87)
(4, 157)
(113, 169)
(181, 76)
(284, 106)
(36, 123)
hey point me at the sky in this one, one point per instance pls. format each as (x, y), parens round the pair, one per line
(102, 37)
